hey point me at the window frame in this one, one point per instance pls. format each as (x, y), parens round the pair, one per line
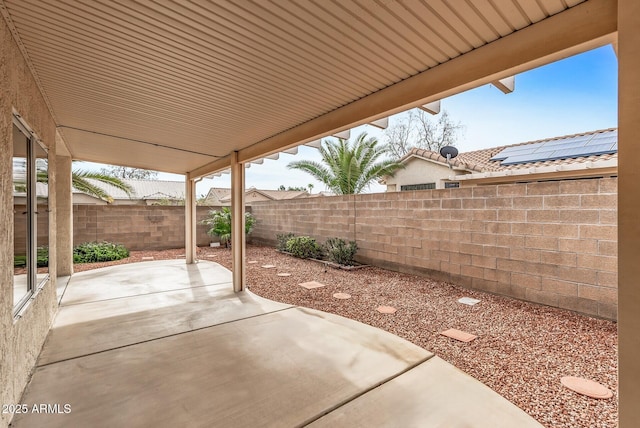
(33, 285)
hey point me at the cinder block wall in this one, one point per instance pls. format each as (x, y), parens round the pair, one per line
(137, 227)
(553, 243)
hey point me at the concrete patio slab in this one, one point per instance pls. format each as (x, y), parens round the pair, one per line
(184, 353)
(434, 394)
(142, 278)
(283, 369)
(98, 326)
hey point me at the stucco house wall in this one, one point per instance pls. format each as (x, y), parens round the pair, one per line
(420, 171)
(21, 338)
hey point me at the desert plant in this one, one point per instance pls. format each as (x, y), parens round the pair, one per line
(347, 168)
(304, 247)
(90, 252)
(341, 252)
(219, 223)
(282, 239)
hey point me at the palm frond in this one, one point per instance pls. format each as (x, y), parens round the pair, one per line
(349, 168)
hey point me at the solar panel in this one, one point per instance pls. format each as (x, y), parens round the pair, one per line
(571, 147)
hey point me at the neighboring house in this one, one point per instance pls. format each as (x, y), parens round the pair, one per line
(222, 196)
(145, 192)
(590, 154)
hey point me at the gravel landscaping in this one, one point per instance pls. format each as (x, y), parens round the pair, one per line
(522, 349)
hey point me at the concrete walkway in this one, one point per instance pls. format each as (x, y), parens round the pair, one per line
(165, 344)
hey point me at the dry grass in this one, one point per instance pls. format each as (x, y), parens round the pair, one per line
(522, 349)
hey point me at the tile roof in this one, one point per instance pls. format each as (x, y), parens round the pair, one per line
(144, 189)
(480, 160)
(221, 194)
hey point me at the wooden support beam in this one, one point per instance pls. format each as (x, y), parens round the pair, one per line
(380, 123)
(431, 108)
(506, 85)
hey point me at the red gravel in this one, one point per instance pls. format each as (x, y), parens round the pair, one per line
(522, 350)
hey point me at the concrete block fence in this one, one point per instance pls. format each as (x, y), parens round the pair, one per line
(137, 227)
(553, 243)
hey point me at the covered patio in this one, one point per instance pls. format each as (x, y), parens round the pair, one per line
(196, 88)
(168, 344)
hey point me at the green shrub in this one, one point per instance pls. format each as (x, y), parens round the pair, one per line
(20, 261)
(91, 252)
(304, 247)
(219, 223)
(42, 258)
(282, 240)
(341, 252)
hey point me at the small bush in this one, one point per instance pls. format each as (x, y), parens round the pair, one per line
(42, 258)
(304, 247)
(282, 240)
(341, 252)
(91, 252)
(20, 261)
(219, 223)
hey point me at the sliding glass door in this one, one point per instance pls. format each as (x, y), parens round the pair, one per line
(30, 215)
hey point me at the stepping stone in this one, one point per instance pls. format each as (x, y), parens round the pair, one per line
(342, 296)
(268, 266)
(462, 336)
(311, 285)
(586, 387)
(468, 301)
(147, 258)
(210, 255)
(252, 262)
(386, 309)
(284, 274)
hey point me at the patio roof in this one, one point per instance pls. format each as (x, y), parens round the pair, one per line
(178, 86)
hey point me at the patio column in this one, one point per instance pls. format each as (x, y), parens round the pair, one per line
(190, 220)
(64, 216)
(628, 209)
(238, 245)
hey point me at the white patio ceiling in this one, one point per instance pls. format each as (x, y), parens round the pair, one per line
(175, 85)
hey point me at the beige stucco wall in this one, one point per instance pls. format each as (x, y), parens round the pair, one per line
(420, 171)
(21, 339)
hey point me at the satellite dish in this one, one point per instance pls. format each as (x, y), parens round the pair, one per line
(449, 152)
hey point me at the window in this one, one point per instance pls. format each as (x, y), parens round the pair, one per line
(425, 186)
(30, 215)
(451, 184)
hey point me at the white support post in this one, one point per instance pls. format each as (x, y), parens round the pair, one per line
(190, 220)
(238, 246)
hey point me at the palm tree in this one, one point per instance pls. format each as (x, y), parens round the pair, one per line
(349, 168)
(81, 180)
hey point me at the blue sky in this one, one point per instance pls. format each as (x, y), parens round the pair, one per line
(574, 95)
